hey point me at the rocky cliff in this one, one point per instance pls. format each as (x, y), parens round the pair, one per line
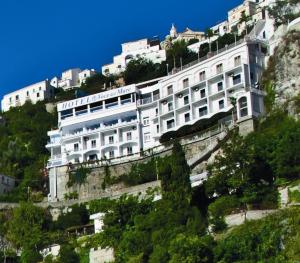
(283, 73)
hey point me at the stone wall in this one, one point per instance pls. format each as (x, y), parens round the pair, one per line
(193, 145)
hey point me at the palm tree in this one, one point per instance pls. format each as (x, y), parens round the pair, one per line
(244, 19)
(209, 33)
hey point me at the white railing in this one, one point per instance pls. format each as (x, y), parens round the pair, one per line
(208, 56)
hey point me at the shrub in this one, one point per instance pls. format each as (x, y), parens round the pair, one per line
(218, 209)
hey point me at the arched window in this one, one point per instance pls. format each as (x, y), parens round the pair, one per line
(128, 58)
(243, 107)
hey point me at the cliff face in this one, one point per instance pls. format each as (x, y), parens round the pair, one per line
(287, 68)
(284, 71)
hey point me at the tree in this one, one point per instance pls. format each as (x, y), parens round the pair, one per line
(244, 20)
(191, 249)
(141, 69)
(209, 33)
(68, 255)
(32, 256)
(175, 177)
(230, 171)
(283, 11)
(179, 51)
(25, 229)
(97, 83)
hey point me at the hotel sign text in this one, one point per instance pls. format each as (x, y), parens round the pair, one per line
(95, 98)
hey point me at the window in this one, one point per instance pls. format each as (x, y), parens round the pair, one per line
(202, 93)
(111, 154)
(170, 124)
(125, 99)
(219, 68)
(76, 147)
(66, 113)
(110, 103)
(96, 106)
(220, 86)
(146, 121)
(38, 95)
(202, 76)
(94, 143)
(129, 136)
(111, 139)
(237, 61)
(202, 111)
(186, 100)
(10, 99)
(170, 90)
(243, 107)
(157, 128)
(221, 104)
(236, 79)
(170, 106)
(156, 111)
(129, 150)
(17, 97)
(185, 83)
(76, 160)
(155, 95)
(147, 137)
(27, 93)
(93, 157)
(187, 117)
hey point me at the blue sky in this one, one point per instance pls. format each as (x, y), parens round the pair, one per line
(41, 38)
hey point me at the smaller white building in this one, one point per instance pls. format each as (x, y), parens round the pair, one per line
(7, 184)
(145, 48)
(84, 74)
(72, 78)
(221, 28)
(100, 255)
(52, 250)
(34, 93)
(98, 221)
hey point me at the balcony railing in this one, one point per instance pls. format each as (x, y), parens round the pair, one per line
(208, 56)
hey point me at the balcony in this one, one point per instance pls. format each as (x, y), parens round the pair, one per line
(111, 105)
(100, 127)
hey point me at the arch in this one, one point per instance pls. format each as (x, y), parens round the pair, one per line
(243, 107)
(128, 58)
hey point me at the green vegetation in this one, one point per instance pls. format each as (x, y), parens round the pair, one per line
(23, 136)
(78, 176)
(273, 239)
(283, 11)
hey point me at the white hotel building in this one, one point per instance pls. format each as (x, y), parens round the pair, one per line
(34, 93)
(129, 119)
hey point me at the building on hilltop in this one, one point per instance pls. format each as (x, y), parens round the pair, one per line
(186, 35)
(36, 92)
(124, 122)
(149, 49)
(72, 78)
(247, 8)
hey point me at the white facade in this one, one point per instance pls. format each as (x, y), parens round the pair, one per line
(146, 48)
(6, 184)
(34, 93)
(83, 75)
(52, 250)
(98, 222)
(72, 78)
(124, 121)
(221, 28)
(248, 8)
